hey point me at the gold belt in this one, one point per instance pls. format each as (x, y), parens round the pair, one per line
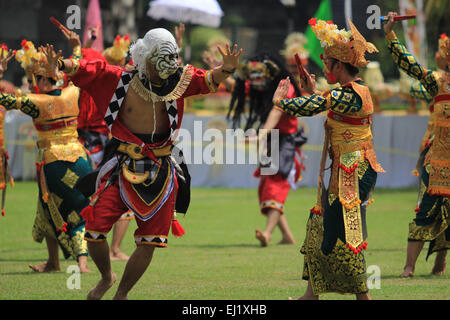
(47, 143)
(135, 151)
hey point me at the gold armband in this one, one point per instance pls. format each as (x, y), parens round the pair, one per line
(210, 81)
(77, 51)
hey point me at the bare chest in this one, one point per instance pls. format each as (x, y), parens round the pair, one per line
(143, 116)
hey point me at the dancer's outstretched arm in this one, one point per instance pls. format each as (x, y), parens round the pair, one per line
(10, 102)
(406, 61)
(342, 99)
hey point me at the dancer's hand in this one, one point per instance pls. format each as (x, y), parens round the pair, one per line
(389, 26)
(72, 37)
(282, 91)
(4, 60)
(52, 59)
(308, 83)
(179, 32)
(92, 33)
(91, 36)
(230, 59)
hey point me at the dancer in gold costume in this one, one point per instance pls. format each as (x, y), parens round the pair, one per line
(433, 208)
(336, 230)
(62, 161)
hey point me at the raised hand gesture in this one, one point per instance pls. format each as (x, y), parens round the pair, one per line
(389, 26)
(52, 59)
(179, 32)
(308, 83)
(4, 60)
(230, 59)
(91, 36)
(72, 37)
(282, 91)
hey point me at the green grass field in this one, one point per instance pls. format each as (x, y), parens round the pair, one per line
(219, 258)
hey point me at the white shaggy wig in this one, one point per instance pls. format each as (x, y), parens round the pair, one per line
(150, 46)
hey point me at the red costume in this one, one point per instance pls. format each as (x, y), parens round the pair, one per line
(147, 180)
(274, 189)
(92, 130)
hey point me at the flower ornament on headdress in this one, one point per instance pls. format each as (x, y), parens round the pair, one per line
(118, 52)
(34, 62)
(345, 46)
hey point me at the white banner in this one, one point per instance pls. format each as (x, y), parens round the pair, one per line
(221, 162)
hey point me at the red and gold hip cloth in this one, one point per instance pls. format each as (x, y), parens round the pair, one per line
(110, 207)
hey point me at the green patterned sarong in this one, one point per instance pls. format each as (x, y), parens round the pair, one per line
(432, 217)
(329, 264)
(64, 205)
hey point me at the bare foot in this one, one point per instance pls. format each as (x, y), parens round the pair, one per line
(102, 286)
(45, 267)
(407, 272)
(363, 296)
(120, 296)
(439, 269)
(261, 237)
(85, 269)
(118, 256)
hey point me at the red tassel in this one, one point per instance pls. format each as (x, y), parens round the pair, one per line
(362, 246)
(316, 210)
(88, 213)
(350, 169)
(3, 212)
(257, 173)
(177, 229)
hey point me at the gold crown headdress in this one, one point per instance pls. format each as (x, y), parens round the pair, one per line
(118, 52)
(346, 46)
(32, 61)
